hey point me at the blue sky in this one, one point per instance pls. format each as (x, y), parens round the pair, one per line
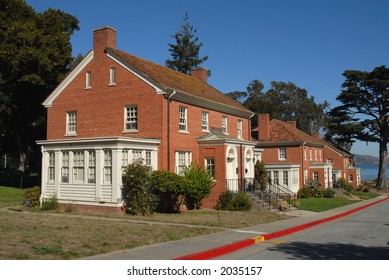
(309, 43)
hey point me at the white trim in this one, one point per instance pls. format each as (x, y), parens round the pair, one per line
(50, 99)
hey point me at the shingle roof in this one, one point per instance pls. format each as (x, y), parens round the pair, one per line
(282, 132)
(172, 79)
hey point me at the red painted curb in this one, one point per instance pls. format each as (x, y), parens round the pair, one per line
(287, 231)
(212, 253)
(216, 252)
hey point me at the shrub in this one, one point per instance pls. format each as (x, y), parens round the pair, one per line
(170, 189)
(199, 182)
(50, 204)
(342, 183)
(261, 177)
(224, 200)
(31, 197)
(240, 202)
(305, 192)
(136, 190)
(328, 193)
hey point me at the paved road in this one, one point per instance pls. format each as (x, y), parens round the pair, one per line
(364, 235)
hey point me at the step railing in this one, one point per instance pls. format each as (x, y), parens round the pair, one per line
(269, 198)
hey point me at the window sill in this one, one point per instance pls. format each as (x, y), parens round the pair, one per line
(130, 131)
(88, 88)
(112, 84)
(184, 131)
(205, 130)
(70, 134)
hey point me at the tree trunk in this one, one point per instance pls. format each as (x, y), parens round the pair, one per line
(382, 165)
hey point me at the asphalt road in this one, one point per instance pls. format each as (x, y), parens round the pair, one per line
(361, 236)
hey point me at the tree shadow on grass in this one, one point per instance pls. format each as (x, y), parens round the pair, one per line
(331, 251)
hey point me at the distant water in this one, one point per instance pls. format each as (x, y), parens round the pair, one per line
(370, 171)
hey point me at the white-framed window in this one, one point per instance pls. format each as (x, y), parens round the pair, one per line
(316, 176)
(285, 178)
(71, 123)
(204, 121)
(282, 153)
(183, 160)
(210, 166)
(51, 171)
(125, 161)
(183, 119)
(240, 124)
(92, 167)
(224, 124)
(350, 178)
(65, 168)
(305, 153)
(78, 166)
(112, 76)
(148, 159)
(295, 177)
(131, 117)
(310, 154)
(107, 169)
(276, 177)
(136, 155)
(88, 80)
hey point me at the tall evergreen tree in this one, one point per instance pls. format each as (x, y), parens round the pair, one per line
(185, 52)
(35, 54)
(364, 113)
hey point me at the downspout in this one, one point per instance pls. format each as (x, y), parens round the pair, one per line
(241, 168)
(302, 164)
(168, 128)
(249, 132)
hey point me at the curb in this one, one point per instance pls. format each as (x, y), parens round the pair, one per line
(219, 251)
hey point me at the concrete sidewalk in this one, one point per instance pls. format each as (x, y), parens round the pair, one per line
(176, 249)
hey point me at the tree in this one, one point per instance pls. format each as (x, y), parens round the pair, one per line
(185, 53)
(136, 190)
(199, 185)
(286, 102)
(364, 113)
(35, 54)
(261, 175)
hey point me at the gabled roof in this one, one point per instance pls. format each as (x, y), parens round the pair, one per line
(282, 133)
(175, 81)
(216, 135)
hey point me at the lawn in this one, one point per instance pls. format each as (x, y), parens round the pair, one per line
(323, 204)
(11, 196)
(37, 234)
(365, 195)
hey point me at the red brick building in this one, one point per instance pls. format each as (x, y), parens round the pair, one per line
(293, 157)
(114, 108)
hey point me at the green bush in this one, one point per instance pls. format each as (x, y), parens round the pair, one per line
(240, 202)
(224, 200)
(170, 189)
(50, 204)
(31, 197)
(199, 182)
(347, 187)
(305, 192)
(136, 190)
(328, 193)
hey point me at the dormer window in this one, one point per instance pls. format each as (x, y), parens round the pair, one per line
(88, 80)
(112, 76)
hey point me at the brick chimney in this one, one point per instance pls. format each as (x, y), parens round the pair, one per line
(104, 37)
(200, 73)
(263, 127)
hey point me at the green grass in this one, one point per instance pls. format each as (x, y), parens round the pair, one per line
(11, 196)
(323, 204)
(365, 195)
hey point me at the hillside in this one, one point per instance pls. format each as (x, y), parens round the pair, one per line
(365, 159)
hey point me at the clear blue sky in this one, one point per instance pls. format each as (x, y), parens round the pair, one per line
(309, 43)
